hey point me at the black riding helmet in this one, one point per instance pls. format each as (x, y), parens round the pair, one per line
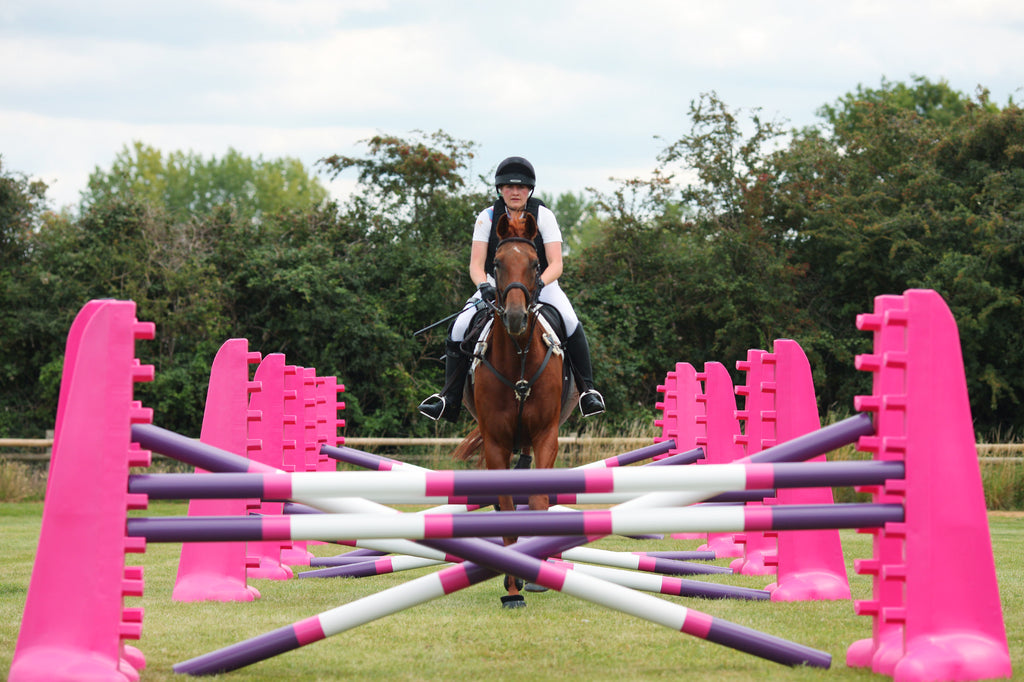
(515, 170)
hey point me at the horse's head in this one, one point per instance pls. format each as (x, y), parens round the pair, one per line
(516, 270)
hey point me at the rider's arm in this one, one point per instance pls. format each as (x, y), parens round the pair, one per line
(553, 251)
(477, 259)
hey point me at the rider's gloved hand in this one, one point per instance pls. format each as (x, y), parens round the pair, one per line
(487, 291)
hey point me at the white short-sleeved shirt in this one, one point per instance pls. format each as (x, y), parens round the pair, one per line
(546, 223)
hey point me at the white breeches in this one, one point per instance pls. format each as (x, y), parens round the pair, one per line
(551, 294)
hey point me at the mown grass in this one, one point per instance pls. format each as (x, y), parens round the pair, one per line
(467, 635)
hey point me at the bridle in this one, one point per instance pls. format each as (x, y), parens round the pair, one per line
(522, 387)
(531, 296)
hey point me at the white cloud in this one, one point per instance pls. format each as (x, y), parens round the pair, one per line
(579, 87)
(63, 152)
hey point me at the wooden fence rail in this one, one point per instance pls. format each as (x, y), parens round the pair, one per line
(18, 447)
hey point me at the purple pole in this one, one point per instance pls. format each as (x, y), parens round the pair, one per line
(810, 445)
(583, 523)
(688, 457)
(356, 556)
(184, 449)
(633, 456)
(366, 460)
(485, 561)
(299, 634)
(522, 482)
(681, 555)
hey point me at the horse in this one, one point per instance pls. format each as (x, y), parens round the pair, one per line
(521, 392)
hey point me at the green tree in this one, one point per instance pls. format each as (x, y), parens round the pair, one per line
(343, 288)
(406, 175)
(897, 197)
(186, 184)
(22, 211)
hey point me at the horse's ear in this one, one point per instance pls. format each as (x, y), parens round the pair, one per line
(503, 229)
(531, 227)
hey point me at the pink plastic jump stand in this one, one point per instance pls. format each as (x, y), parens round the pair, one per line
(951, 616)
(295, 449)
(758, 417)
(267, 432)
(216, 571)
(75, 623)
(682, 418)
(810, 563)
(720, 443)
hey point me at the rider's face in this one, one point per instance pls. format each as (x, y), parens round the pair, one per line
(515, 196)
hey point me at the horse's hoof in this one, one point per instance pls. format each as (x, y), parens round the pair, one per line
(519, 583)
(534, 587)
(513, 601)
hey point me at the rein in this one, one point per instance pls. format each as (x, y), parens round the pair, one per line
(522, 387)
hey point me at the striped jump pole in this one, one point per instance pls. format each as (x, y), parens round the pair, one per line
(366, 567)
(474, 502)
(659, 584)
(460, 576)
(638, 562)
(376, 462)
(485, 561)
(214, 459)
(586, 523)
(411, 487)
(367, 460)
(681, 555)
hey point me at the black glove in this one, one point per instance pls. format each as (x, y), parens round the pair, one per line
(487, 291)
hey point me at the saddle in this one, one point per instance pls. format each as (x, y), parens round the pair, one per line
(554, 334)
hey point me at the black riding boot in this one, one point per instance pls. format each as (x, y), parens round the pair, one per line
(591, 402)
(448, 402)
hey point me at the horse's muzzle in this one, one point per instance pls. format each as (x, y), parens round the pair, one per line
(516, 320)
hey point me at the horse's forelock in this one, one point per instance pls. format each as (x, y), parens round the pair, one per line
(517, 225)
(522, 225)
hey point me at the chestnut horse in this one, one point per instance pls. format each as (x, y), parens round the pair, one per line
(517, 387)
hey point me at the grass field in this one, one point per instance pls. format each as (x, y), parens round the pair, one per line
(467, 635)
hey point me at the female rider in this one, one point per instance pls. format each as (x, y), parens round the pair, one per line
(514, 181)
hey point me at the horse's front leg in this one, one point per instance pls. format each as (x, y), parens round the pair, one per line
(545, 449)
(498, 458)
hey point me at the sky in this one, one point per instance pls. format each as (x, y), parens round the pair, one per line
(589, 91)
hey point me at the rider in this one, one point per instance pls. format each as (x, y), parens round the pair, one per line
(514, 181)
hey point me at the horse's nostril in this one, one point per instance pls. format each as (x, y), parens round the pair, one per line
(515, 322)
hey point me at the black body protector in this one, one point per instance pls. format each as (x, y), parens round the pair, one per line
(533, 205)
